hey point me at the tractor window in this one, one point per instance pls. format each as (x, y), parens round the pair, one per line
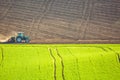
(20, 34)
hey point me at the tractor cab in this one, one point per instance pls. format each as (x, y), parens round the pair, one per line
(20, 34)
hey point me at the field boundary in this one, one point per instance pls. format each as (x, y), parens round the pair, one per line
(74, 41)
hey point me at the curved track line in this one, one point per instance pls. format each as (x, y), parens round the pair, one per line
(2, 56)
(83, 16)
(88, 17)
(117, 54)
(54, 61)
(102, 48)
(48, 5)
(7, 10)
(62, 64)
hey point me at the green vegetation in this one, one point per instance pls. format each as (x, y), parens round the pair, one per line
(59, 61)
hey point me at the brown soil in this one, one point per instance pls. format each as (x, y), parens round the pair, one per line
(61, 21)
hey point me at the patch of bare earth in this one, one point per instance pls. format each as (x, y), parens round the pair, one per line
(75, 41)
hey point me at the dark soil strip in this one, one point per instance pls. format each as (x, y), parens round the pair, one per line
(118, 56)
(2, 56)
(63, 76)
(54, 60)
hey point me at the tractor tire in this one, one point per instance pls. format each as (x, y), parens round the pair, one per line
(18, 39)
(27, 41)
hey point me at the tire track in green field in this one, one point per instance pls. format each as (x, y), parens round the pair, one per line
(94, 68)
(102, 55)
(2, 57)
(62, 63)
(76, 62)
(54, 61)
(117, 54)
(39, 64)
(102, 48)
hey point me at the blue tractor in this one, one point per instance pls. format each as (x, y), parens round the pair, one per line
(19, 38)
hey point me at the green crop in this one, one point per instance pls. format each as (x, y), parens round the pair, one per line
(59, 61)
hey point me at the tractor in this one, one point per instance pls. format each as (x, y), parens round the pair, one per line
(19, 38)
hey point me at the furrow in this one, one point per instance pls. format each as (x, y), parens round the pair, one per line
(54, 61)
(62, 64)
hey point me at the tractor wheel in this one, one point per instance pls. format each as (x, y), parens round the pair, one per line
(18, 40)
(27, 41)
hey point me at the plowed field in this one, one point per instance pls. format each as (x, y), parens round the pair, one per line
(61, 19)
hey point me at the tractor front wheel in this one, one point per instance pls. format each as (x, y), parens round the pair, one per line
(27, 41)
(18, 40)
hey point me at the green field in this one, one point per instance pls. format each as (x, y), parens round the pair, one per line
(59, 61)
